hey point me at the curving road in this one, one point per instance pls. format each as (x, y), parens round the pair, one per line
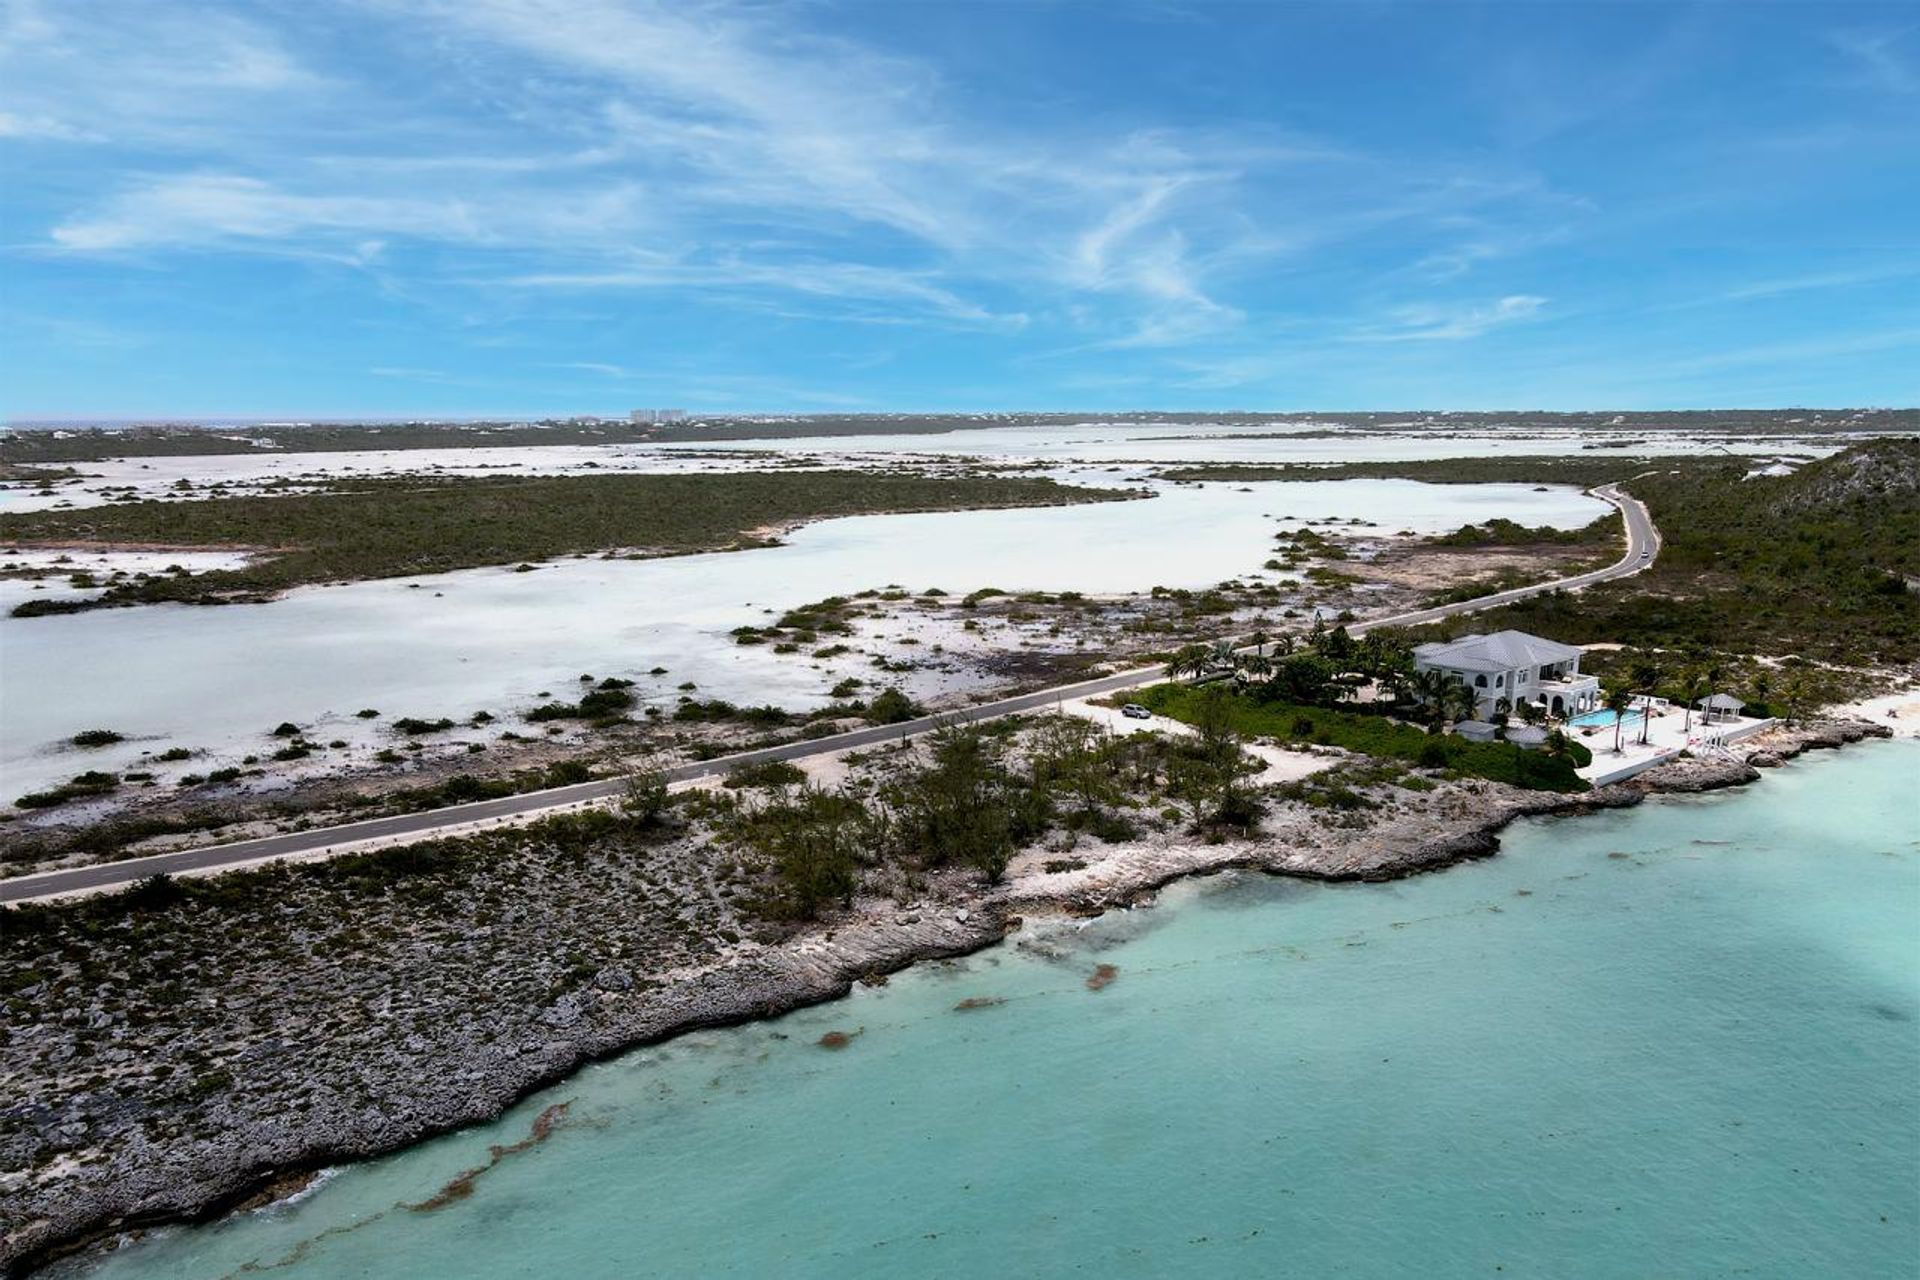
(1643, 544)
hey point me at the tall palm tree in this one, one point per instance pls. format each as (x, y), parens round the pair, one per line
(1793, 696)
(1619, 701)
(1698, 685)
(1645, 674)
(1430, 687)
(1259, 640)
(1461, 700)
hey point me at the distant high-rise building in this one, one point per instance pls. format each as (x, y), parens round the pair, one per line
(654, 417)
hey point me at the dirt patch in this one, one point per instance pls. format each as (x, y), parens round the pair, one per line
(1423, 568)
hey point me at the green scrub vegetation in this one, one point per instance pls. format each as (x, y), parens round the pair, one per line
(420, 525)
(1819, 564)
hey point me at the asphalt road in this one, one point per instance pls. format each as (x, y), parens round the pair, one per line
(1641, 537)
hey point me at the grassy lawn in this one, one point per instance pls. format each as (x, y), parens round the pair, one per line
(1377, 736)
(411, 525)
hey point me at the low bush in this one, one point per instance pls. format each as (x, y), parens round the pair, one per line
(411, 726)
(96, 738)
(90, 783)
(891, 706)
(769, 773)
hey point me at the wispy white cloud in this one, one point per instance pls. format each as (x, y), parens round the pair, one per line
(199, 210)
(840, 280)
(43, 127)
(723, 152)
(1822, 280)
(152, 74)
(760, 109)
(1440, 323)
(1879, 58)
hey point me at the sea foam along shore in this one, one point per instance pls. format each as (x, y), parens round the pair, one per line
(75, 1206)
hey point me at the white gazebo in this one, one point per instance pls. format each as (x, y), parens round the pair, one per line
(1719, 707)
(1530, 736)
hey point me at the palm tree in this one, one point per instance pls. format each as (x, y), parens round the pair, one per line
(1248, 667)
(1282, 645)
(1698, 685)
(1461, 700)
(1394, 682)
(1619, 701)
(1430, 687)
(1645, 674)
(1793, 697)
(1259, 640)
(1190, 659)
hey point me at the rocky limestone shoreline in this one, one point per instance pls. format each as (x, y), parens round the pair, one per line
(120, 1177)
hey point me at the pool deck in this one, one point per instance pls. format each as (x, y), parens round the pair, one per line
(1668, 734)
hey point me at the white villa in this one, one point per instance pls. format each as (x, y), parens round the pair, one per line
(1515, 666)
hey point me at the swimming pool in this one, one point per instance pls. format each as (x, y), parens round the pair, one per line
(1603, 719)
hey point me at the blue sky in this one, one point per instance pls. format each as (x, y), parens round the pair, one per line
(340, 207)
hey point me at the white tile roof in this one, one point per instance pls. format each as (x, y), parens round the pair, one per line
(1501, 651)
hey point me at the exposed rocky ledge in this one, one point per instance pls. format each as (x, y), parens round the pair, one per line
(1741, 763)
(406, 1089)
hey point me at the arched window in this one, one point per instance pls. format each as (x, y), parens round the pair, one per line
(1480, 682)
(1500, 680)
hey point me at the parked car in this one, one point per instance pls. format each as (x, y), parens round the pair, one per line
(1134, 711)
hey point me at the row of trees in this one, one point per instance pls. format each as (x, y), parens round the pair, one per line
(1327, 667)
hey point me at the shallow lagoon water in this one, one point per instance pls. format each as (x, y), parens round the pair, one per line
(219, 679)
(1169, 442)
(1676, 1040)
(1089, 442)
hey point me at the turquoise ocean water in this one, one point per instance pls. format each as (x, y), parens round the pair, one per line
(1682, 1040)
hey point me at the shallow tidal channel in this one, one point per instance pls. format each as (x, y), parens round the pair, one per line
(1675, 1040)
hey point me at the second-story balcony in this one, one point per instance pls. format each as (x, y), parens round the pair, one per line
(1568, 696)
